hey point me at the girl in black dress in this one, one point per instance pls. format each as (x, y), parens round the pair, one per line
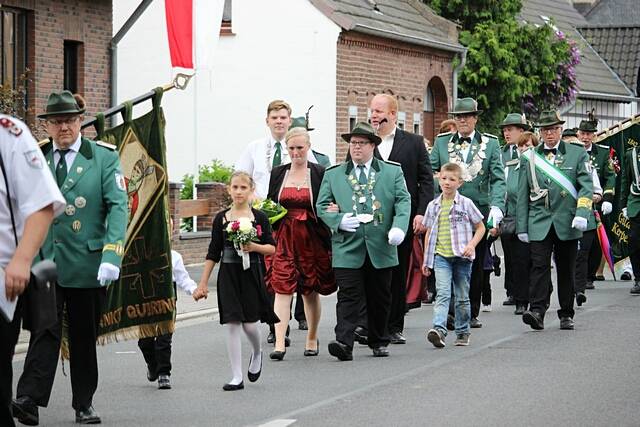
(242, 297)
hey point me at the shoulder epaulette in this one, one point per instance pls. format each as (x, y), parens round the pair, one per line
(443, 134)
(577, 143)
(512, 162)
(44, 142)
(106, 145)
(489, 135)
(10, 126)
(391, 162)
(332, 167)
(603, 146)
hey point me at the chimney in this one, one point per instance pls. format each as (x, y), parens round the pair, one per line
(584, 6)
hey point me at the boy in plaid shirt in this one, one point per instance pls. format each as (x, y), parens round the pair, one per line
(454, 228)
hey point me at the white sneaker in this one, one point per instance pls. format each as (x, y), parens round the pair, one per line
(486, 308)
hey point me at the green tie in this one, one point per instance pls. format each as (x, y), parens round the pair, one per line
(362, 180)
(61, 169)
(514, 153)
(277, 156)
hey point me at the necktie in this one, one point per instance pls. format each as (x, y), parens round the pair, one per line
(465, 139)
(514, 153)
(362, 178)
(550, 150)
(61, 169)
(277, 156)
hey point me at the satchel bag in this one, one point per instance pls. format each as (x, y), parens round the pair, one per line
(40, 309)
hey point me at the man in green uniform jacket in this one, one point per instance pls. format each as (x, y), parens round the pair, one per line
(553, 206)
(365, 203)
(630, 202)
(483, 172)
(87, 244)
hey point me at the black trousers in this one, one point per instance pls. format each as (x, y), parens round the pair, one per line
(375, 286)
(517, 265)
(84, 307)
(540, 289)
(399, 282)
(477, 277)
(9, 332)
(486, 288)
(157, 353)
(586, 266)
(634, 246)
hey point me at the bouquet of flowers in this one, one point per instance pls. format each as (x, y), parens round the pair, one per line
(240, 232)
(274, 211)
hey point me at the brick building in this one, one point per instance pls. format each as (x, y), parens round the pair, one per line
(64, 44)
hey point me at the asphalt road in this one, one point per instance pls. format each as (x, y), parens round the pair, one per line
(509, 375)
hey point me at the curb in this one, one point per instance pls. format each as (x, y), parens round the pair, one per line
(22, 348)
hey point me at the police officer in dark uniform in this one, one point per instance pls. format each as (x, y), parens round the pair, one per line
(29, 200)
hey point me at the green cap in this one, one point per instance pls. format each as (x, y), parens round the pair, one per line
(61, 103)
(465, 106)
(300, 122)
(363, 129)
(515, 119)
(591, 124)
(549, 118)
(570, 132)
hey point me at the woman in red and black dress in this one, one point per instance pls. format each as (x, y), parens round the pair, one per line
(302, 262)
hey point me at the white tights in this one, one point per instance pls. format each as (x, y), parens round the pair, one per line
(234, 347)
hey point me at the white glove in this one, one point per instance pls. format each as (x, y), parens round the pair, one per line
(523, 237)
(396, 236)
(607, 207)
(496, 214)
(349, 223)
(624, 212)
(579, 223)
(107, 273)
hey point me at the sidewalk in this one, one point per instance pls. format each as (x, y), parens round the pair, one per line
(186, 307)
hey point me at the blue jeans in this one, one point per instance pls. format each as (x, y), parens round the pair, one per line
(456, 271)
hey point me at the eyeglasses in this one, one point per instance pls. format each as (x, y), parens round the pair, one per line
(360, 143)
(59, 122)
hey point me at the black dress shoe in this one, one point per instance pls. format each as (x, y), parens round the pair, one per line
(589, 285)
(475, 323)
(581, 298)
(164, 382)
(253, 377)
(380, 352)
(533, 319)
(152, 375)
(566, 323)
(277, 355)
(509, 301)
(315, 352)
(271, 338)
(25, 410)
(340, 350)
(635, 290)
(88, 416)
(302, 325)
(361, 335)
(625, 276)
(599, 278)
(233, 387)
(397, 338)
(520, 308)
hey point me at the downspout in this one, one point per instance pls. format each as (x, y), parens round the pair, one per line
(114, 50)
(454, 86)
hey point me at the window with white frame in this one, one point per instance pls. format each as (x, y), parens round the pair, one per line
(402, 119)
(416, 123)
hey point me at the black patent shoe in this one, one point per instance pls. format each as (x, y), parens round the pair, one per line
(315, 352)
(253, 377)
(25, 410)
(361, 335)
(380, 352)
(520, 308)
(233, 387)
(340, 350)
(533, 319)
(87, 416)
(397, 338)
(277, 355)
(566, 323)
(475, 323)
(271, 338)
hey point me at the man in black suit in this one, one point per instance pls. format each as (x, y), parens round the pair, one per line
(410, 152)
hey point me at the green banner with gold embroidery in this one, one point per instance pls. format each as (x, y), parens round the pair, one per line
(143, 302)
(621, 137)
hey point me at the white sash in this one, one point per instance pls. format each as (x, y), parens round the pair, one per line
(551, 171)
(636, 175)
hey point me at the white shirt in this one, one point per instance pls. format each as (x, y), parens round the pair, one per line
(386, 145)
(70, 156)
(31, 183)
(367, 166)
(257, 161)
(180, 274)
(465, 151)
(551, 157)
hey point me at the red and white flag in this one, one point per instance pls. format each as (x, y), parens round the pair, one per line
(193, 28)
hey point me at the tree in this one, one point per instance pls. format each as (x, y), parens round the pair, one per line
(511, 66)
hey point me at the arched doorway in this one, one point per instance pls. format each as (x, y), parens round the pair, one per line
(435, 108)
